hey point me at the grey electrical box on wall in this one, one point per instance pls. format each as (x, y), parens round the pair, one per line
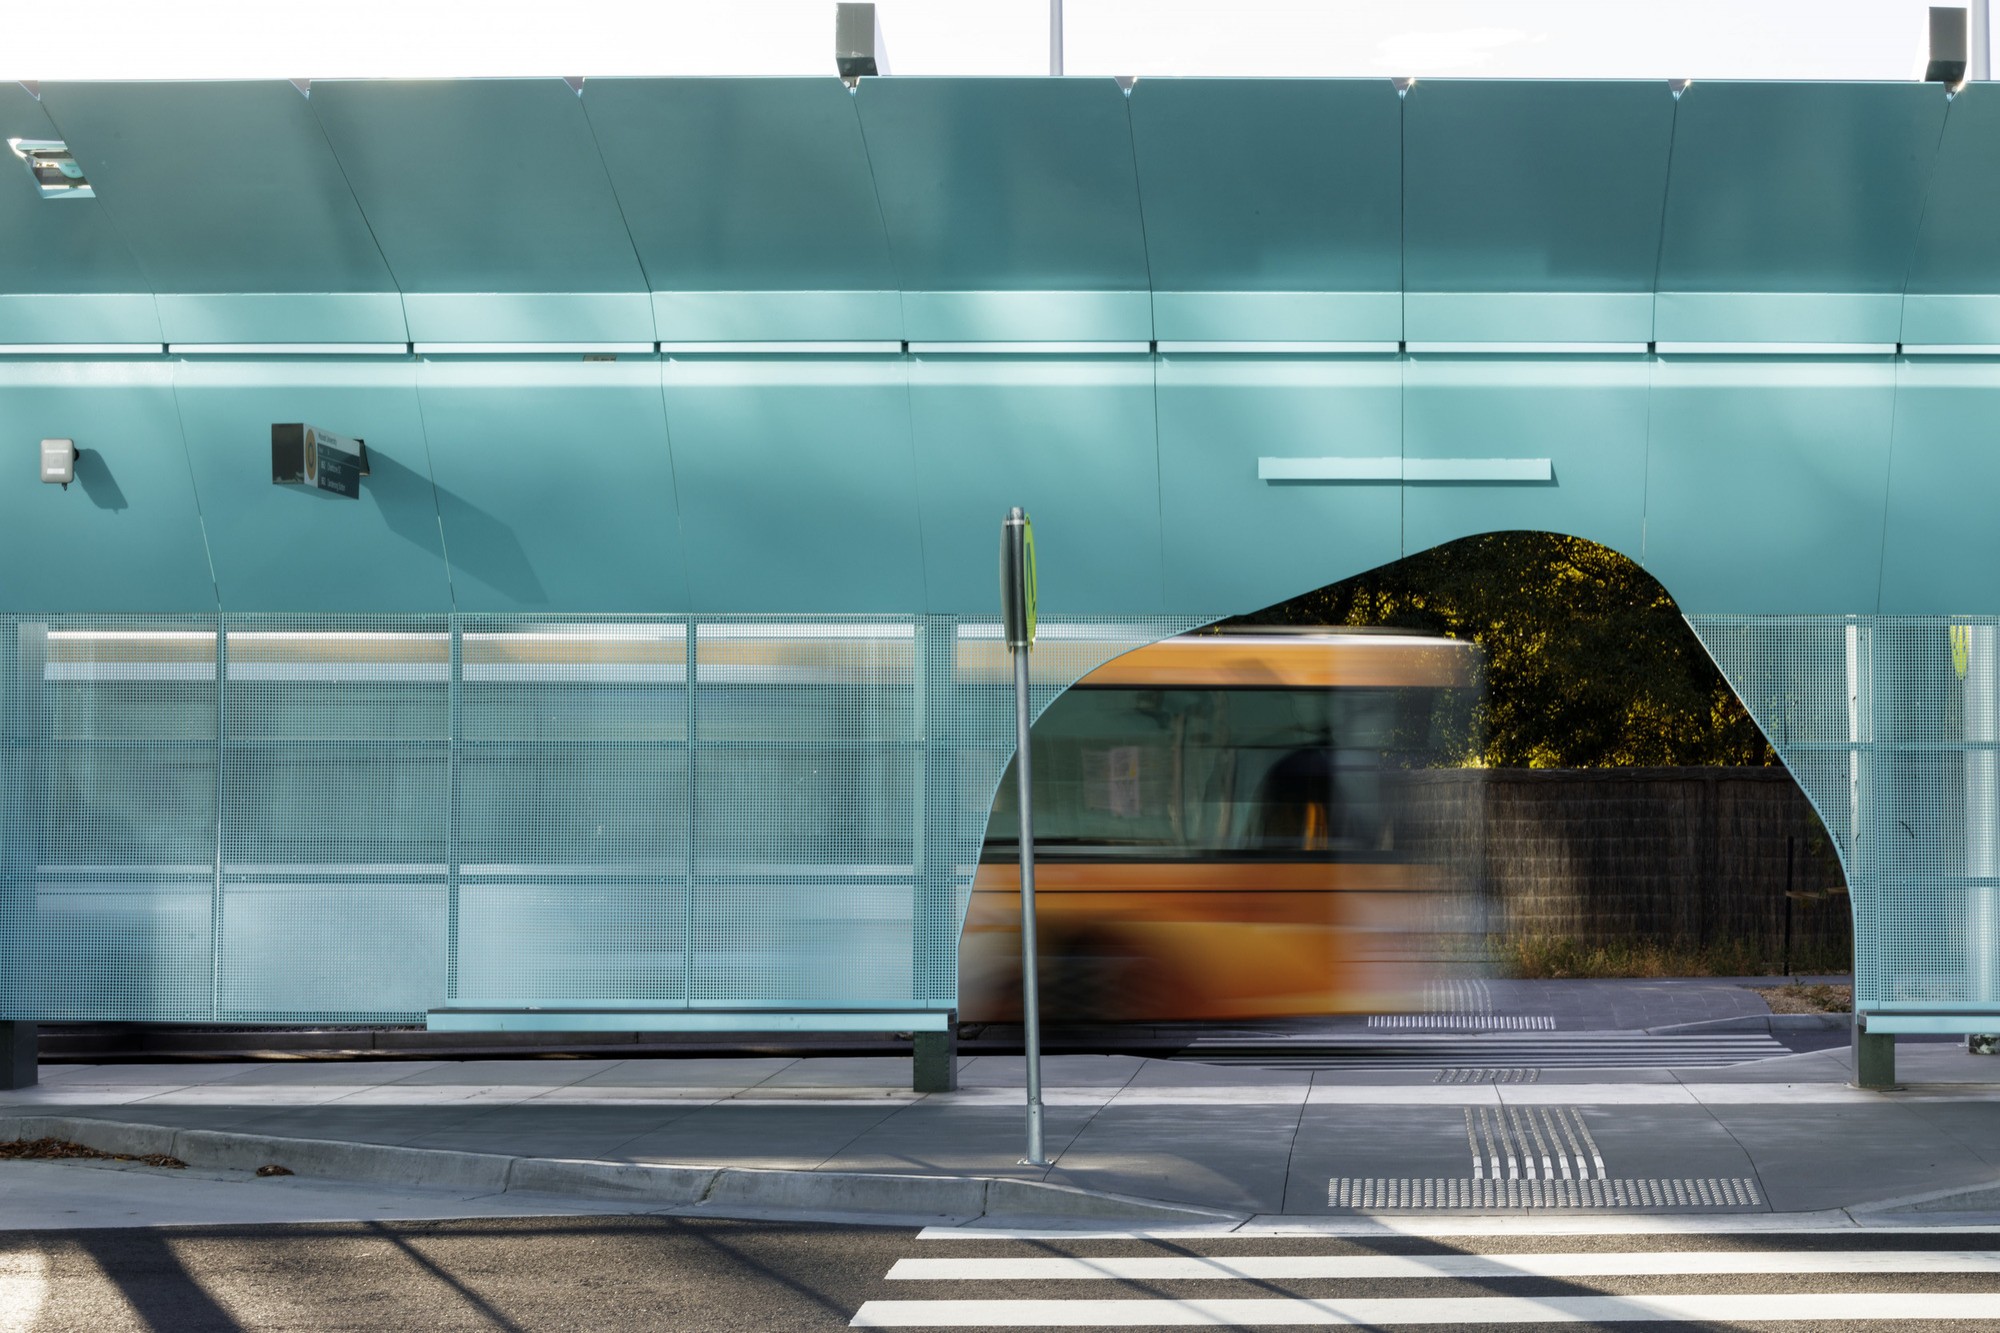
(59, 462)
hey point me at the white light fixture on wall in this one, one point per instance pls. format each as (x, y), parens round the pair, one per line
(59, 462)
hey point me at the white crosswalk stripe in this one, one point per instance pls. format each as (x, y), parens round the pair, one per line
(1392, 1312)
(999, 1291)
(1294, 1267)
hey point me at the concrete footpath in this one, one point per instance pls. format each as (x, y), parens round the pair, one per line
(1134, 1141)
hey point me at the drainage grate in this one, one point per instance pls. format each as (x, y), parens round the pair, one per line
(1487, 1076)
(1465, 1022)
(1682, 1192)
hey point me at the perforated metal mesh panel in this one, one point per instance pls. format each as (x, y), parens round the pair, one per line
(1892, 726)
(361, 818)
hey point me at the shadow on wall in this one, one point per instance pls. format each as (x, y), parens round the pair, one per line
(94, 475)
(479, 544)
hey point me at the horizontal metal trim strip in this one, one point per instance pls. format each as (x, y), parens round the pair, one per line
(1171, 346)
(1133, 348)
(1530, 348)
(1405, 469)
(866, 347)
(530, 349)
(1773, 349)
(1931, 1024)
(82, 349)
(288, 349)
(1951, 349)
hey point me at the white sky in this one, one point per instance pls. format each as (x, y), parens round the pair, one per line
(189, 39)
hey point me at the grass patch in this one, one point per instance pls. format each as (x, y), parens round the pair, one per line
(1558, 958)
(1799, 999)
(56, 1150)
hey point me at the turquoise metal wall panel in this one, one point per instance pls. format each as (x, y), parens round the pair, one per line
(1586, 414)
(1569, 180)
(703, 317)
(291, 548)
(491, 185)
(102, 317)
(282, 317)
(1006, 184)
(1765, 482)
(554, 483)
(1267, 317)
(1027, 317)
(1270, 185)
(797, 482)
(221, 187)
(1071, 440)
(127, 534)
(742, 184)
(1872, 318)
(1234, 541)
(621, 318)
(1954, 252)
(54, 245)
(1941, 547)
(1795, 187)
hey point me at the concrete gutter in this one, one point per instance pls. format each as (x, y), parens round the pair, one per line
(715, 1191)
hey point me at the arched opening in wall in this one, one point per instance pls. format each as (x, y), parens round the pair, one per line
(1507, 759)
(1635, 821)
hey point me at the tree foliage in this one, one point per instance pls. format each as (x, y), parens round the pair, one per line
(1588, 661)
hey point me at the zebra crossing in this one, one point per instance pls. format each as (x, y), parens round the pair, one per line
(1246, 1281)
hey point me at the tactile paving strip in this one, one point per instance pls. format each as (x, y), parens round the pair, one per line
(1487, 1076)
(1465, 1022)
(1682, 1192)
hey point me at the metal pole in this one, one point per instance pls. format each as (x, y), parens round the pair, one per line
(1979, 63)
(1031, 1009)
(1055, 37)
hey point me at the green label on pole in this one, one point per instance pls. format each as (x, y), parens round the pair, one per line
(1028, 573)
(1017, 579)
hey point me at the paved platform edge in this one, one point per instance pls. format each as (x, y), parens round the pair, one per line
(722, 1191)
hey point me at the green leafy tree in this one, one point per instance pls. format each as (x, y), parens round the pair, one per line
(1588, 661)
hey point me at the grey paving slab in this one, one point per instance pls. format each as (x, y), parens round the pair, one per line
(1426, 1142)
(1974, 1126)
(1193, 1074)
(1665, 1143)
(1811, 1157)
(741, 1072)
(843, 1072)
(746, 1134)
(1058, 1071)
(982, 1140)
(1220, 1156)
(513, 1073)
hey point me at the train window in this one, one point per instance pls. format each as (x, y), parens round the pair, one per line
(1180, 773)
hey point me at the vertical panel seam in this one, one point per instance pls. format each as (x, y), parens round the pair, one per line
(1923, 216)
(362, 213)
(624, 223)
(1153, 360)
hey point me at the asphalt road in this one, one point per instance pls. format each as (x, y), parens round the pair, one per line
(619, 1273)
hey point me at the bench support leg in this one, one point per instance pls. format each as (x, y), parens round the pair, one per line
(17, 1055)
(935, 1068)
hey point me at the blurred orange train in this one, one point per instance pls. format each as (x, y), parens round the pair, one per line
(1227, 826)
